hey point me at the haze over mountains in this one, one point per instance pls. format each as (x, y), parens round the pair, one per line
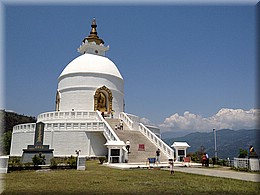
(228, 141)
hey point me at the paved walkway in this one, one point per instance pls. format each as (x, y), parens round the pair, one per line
(220, 172)
(224, 172)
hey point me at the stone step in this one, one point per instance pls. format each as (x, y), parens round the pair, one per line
(137, 139)
(113, 122)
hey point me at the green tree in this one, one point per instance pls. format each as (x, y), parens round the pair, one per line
(6, 142)
(242, 153)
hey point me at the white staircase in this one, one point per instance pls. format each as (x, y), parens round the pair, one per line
(136, 138)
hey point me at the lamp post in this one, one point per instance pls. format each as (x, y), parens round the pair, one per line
(215, 140)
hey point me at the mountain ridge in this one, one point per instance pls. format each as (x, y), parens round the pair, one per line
(228, 141)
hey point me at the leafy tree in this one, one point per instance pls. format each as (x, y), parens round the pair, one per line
(7, 121)
(242, 153)
(6, 142)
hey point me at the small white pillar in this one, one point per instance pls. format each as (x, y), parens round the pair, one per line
(115, 151)
(180, 146)
(4, 164)
(254, 164)
(81, 163)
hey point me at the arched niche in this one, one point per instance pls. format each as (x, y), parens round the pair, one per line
(57, 102)
(103, 100)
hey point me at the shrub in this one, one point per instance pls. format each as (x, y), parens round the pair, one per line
(36, 160)
(102, 159)
(15, 162)
(72, 161)
(54, 163)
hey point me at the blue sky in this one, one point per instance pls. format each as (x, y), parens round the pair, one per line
(173, 58)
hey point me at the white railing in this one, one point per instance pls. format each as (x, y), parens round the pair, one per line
(64, 115)
(126, 119)
(249, 163)
(167, 150)
(88, 126)
(24, 127)
(135, 119)
(109, 133)
(241, 162)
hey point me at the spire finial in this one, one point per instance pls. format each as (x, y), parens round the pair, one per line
(94, 27)
(93, 34)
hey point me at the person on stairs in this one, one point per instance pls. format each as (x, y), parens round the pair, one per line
(128, 145)
(158, 155)
(121, 125)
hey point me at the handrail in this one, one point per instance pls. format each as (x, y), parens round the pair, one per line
(62, 126)
(24, 127)
(167, 150)
(108, 131)
(110, 135)
(125, 118)
(64, 115)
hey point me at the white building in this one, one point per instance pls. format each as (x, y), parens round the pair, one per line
(89, 86)
(180, 149)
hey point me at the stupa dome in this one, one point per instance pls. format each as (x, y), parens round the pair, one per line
(91, 63)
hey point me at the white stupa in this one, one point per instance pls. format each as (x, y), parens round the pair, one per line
(91, 75)
(89, 89)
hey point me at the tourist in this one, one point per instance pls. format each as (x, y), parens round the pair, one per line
(171, 166)
(204, 159)
(103, 114)
(158, 155)
(116, 127)
(207, 160)
(128, 145)
(112, 113)
(121, 125)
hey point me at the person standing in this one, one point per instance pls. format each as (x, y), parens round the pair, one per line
(204, 159)
(207, 160)
(171, 166)
(112, 113)
(158, 155)
(128, 145)
(121, 125)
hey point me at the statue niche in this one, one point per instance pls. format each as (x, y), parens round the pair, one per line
(103, 100)
(57, 102)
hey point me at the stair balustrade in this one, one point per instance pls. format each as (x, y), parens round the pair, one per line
(124, 117)
(167, 150)
(109, 133)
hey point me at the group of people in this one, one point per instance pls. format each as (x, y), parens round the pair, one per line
(120, 126)
(205, 160)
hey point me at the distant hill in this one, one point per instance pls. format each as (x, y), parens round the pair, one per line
(11, 119)
(8, 120)
(228, 142)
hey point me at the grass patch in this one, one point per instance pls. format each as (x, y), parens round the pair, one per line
(98, 179)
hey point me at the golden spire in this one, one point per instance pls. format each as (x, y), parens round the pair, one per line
(93, 34)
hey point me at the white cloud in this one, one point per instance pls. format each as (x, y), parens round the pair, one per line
(225, 119)
(145, 121)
